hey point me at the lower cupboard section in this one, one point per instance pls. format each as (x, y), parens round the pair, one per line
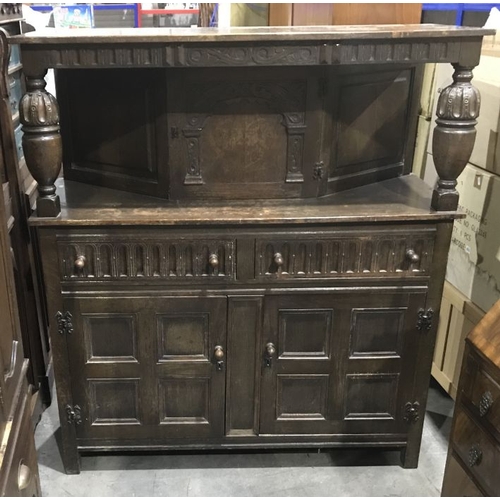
(247, 370)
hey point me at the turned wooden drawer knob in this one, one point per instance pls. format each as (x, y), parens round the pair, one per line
(23, 477)
(278, 259)
(213, 260)
(412, 256)
(80, 262)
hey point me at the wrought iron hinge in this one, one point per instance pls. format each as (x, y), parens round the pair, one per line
(73, 414)
(319, 171)
(64, 322)
(412, 412)
(174, 132)
(424, 319)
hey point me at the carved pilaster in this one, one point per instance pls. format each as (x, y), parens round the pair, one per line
(453, 140)
(39, 114)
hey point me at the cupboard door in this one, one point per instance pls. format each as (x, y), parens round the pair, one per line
(147, 367)
(338, 362)
(251, 133)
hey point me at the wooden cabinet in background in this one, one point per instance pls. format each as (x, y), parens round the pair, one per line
(474, 452)
(307, 14)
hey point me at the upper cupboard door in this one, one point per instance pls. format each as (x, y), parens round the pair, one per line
(114, 129)
(147, 368)
(251, 133)
(373, 123)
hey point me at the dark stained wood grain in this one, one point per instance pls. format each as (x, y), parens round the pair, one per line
(402, 199)
(245, 34)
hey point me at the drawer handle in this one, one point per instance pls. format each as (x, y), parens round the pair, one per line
(485, 403)
(412, 256)
(213, 260)
(278, 259)
(23, 476)
(219, 357)
(270, 352)
(475, 455)
(80, 262)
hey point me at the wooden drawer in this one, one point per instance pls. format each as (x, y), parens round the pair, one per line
(148, 255)
(477, 451)
(398, 252)
(484, 394)
(457, 483)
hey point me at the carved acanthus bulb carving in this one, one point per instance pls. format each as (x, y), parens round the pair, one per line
(460, 100)
(38, 108)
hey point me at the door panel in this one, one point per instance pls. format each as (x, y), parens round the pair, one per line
(329, 366)
(146, 366)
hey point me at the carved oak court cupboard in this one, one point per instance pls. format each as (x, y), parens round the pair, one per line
(238, 255)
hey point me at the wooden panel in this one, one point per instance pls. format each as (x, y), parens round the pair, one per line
(302, 396)
(457, 317)
(110, 336)
(377, 332)
(122, 146)
(244, 326)
(376, 13)
(113, 401)
(184, 400)
(292, 325)
(371, 396)
(457, 482)
(243, 134)
(183, 336)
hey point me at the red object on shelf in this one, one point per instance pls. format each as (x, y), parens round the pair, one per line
(160, 12)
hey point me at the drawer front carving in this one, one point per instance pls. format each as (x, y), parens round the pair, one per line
(484, 394)
(91, 258)
(345, 254)
(476, 450)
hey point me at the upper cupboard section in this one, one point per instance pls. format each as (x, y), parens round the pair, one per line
(253, 133)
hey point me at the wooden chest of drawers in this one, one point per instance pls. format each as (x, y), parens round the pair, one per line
(474, 454)
(263, 271)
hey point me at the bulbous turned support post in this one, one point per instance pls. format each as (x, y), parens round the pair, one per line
(455, 134)
(39, 115)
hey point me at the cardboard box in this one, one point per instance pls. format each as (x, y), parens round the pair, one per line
(486, 152)
(474, 258)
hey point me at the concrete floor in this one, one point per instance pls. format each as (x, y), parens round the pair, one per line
(284, 473)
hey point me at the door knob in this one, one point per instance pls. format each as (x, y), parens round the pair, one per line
(270, 352)
(412, 256)
(219, 357)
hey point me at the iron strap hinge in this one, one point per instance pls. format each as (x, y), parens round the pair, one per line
(424, 319)
(73, 414)
(64, 322)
